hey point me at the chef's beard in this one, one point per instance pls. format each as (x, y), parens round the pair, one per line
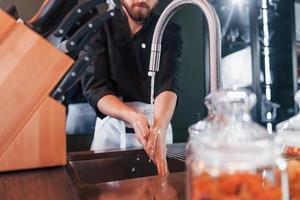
(139, 12)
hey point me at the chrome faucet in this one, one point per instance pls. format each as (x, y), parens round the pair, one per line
(214, 33)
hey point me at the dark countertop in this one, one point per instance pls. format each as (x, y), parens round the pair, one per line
(44, 184)
(152, 187)
(62, 183)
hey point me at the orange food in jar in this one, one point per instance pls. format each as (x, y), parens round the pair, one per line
(238, 186)
(291, 152)
(294, 179)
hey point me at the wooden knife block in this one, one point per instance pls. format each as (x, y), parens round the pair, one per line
(32, 124)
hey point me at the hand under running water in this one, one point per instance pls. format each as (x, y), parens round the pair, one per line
(153, 141)
(140, 124)
(157, 150)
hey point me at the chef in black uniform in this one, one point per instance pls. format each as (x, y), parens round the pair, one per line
(117, 84)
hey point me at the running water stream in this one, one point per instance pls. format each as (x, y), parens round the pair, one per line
(152, 100)
(151, 122)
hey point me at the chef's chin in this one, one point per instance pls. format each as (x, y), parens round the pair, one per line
(138, 14)
(140, 17)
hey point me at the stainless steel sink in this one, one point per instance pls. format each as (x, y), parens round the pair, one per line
(90, 167)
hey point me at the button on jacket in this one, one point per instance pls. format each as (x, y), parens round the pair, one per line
(121, 61)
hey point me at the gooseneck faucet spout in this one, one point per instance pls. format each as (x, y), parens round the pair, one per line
(214, 33)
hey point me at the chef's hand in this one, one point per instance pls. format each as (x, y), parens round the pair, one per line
(156, 145)
(139, 123)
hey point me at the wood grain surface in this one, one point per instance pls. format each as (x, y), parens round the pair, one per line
(32, 130)
(6, 24)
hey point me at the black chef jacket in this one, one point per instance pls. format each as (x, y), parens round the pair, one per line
(121, 61)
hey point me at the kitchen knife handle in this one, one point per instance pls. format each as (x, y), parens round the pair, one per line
(86, 31)
(74, 15)
(72, 77)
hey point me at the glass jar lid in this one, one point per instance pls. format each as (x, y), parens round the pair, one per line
(229, 117)
(289, 130)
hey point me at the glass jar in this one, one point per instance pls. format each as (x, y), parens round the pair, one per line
(234, 157)
(289, 133)
(196, 129)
